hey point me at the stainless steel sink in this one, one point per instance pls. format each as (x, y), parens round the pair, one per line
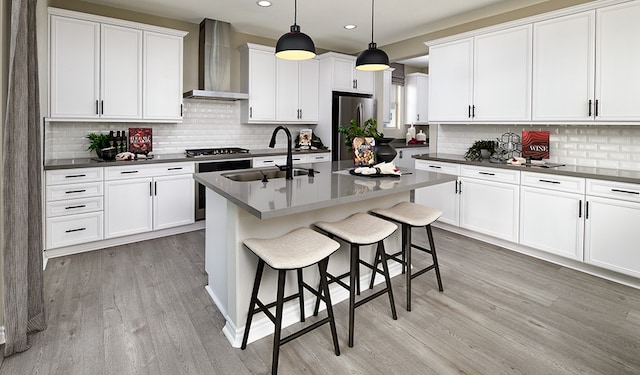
(259, 174)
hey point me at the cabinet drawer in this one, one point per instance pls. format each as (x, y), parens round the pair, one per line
(268, 161)
(73, 229)
(73, 206)
(136, 171)
(490, 174)
(440, 167)
(316, 158)
(72, 176)
(616, 190)
(553, 182)
(72, 191)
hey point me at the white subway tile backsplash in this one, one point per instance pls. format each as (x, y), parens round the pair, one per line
(602, 146)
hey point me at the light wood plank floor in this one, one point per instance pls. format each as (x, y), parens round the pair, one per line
(142, 309)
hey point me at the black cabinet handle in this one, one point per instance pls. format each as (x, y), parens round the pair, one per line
(75, 191)
(550, 181)
(250, 112)
(597, 108)
(469, 115)
(75, 175)
(128, 172)
(590, 102)
(435, 166)
(150, 189)
(625, 191)
(72, 207)
(456, 187)
(181, 110)
(473, 111)
(460, 187)
(174, 168)
(580, 208)
(487, 173)
(97, 107)
(102, 107)
(155, 188)
(74, 230)
(586, 210)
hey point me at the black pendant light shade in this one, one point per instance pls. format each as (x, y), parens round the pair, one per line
(295, 45)
(372, 58)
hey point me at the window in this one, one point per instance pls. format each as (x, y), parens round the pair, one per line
(397, 103)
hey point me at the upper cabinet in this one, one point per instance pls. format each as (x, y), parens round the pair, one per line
(106, 69)
(482, 78)
(280, 91)
(341, 71)
(417, 94)
(387, 94)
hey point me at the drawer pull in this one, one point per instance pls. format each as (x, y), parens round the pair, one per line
(267, 161)
(72, 207)
(625, 191)
(487, 173)
(75, 191)
(319, 157)
(435, 166)
(174, 169)
(550, 181)
(74, 230)
(75, 175)
(580, 208)
(128, 172)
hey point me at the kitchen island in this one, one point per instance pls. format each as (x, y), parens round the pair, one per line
(237, 210)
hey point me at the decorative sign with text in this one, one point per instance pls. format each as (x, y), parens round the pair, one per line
(535, 144)
(140, 140)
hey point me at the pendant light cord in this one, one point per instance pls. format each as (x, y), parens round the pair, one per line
(372, 10)
(295, 12)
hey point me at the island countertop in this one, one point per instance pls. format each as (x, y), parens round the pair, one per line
(332, 185)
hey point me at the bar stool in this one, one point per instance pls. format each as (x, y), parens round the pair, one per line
(360, 229)
(295, 250)
(411, 215)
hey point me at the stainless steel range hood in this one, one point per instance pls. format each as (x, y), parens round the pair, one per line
(214, 60)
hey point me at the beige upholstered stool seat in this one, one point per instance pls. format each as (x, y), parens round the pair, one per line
(413, 214)
(297, 249)
(359, 228)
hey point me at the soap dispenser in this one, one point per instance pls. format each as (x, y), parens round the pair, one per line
(412, 131)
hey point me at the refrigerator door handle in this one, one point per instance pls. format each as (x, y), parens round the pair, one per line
(359, 111)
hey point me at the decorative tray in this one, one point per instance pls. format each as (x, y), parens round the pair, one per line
(375, 175)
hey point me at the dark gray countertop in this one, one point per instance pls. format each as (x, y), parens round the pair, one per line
(402, 143)
(619, 175)
(331, 186)
(167, 158)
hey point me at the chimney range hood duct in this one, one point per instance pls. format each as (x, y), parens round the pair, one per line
(214, 59)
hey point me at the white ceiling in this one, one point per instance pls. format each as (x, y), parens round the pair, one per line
(323, 20)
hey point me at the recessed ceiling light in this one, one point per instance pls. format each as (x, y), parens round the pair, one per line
(264, 3)
(350, 27)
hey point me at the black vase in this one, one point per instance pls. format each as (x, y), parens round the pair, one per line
(384, 151)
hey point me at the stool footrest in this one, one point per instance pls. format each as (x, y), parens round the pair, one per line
(304, 330)
(421, 248)
(420, 272)
(368, 298)
(265, 308)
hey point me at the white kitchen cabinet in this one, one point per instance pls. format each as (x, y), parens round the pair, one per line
(162, 76)
(451, 81)
(258, 78)
(97, 72)
(445, 196)
(502, 75)
(340, 70)
(564, 68)
(73, 207)
(405, 159)
(552, 213)
(611, 226)
(617, 78)
(489, 201)
(147, 197)
(387, 94)
(297, 90)
(417, 98)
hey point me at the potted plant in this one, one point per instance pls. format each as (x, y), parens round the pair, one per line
(481, 149)
(383, 150)
(98, 141)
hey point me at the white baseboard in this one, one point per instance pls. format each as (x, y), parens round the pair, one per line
(263, 327)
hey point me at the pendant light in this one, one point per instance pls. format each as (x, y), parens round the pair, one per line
(295, 45)
(372, 58)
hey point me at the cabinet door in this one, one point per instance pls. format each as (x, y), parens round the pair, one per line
(308, 88)
(563, 68)
(417, 94)
(262, 86)
(365, 81)
(451, 81)
(127, 207)
(552, 221)
(121, 73)
(617, 73)
(502, 75)
(490, 207)
(287, 90)
(343, 74)
(74, 67)
(387, 94)
(173, 202)
(443, 197)
(612, 236)
(162, 77)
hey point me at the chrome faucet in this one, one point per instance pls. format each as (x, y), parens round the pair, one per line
(289, 167)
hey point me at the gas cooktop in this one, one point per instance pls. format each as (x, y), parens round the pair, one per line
(199, 152)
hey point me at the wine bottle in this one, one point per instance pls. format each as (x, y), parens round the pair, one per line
(112, 140)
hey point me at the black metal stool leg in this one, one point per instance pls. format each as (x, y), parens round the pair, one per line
(406, 235)
(282, 275)
(252, 304)
(434, 256)
(385, 267)
(301, 294)
(324, 288)
(375, 267)
(354, 263)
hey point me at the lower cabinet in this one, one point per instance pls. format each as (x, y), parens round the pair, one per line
(143, 198)
(405, 159)
(442, 196)
(611, 226)
(552, 214)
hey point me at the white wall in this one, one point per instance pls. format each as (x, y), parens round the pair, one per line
(206, 123)
(588, 145)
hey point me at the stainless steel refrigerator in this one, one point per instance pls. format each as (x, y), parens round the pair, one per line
(346, 107)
